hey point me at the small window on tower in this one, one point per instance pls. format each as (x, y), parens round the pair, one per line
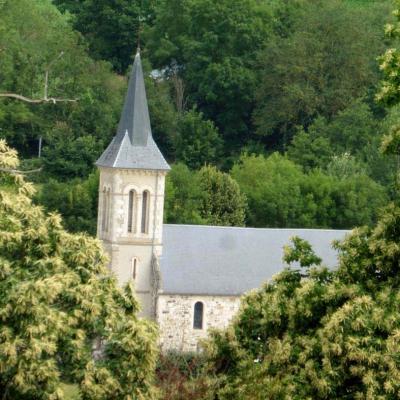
(107, 216)
(134, 268)
(131, 211)
(198, 315)
(104, 214)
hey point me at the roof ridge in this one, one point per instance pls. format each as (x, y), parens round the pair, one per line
(261, 228)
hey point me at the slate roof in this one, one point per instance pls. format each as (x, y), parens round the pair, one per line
(133, 146)
(211, 260)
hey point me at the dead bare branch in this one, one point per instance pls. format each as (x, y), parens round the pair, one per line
(53, 100)
(45, 98)
(19, 172)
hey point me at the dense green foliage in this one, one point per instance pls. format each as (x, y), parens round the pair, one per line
(213, 49)
(280, 194)
(323, 66)
(354, 132)
(314, 333)
(109, 27)
(227, 79)
(208, 197)
(76, 201)
(197, 140)
(32, 37)
(266, 111)
(222, 202)
(57, 299)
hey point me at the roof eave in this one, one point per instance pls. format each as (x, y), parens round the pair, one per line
(100, 165)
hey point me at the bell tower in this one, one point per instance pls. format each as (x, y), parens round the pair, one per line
(131, 196)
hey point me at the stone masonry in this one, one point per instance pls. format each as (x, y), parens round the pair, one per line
(175, 319)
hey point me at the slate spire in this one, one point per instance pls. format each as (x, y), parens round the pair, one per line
(135, 115)
(133, 146)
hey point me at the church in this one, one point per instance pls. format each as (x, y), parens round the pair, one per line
(188, 278)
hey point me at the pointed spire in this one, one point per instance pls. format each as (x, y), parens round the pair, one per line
(135, 114)
(133, 146)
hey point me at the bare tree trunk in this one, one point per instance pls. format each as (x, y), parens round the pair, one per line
(179, 87)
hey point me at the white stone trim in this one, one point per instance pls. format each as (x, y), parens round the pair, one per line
(127, 188)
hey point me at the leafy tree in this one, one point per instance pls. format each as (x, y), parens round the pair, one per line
(75, 200)
(57, 300)
(316, 333)
(301, 251)
(345, 166)
(310, 150)
(222, 201)
(212, 48)
(66, 158)
(389, 92)
(34, 38)
(182, 196)
(281, 195)
(352, 129)
(110, 27)
(207, 196)
(358, 201)
(273, 190)
(197, 141)
(355, 131)
(319, 69)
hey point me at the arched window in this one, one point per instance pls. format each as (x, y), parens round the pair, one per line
(131, 211)
(145, 211)
(134, 268)
(198, 315)
(104, 215)
(107, 210)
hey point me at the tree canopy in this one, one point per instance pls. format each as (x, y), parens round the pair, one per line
(280, 194)
(208, 196)
(223, 81)
(213, 49)
(63, 318)
(110, 27)
(314, 332)
(36, 38)
(317, 333)
(266, 112)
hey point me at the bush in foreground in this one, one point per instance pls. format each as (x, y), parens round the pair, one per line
(57, 301)
(312, 333)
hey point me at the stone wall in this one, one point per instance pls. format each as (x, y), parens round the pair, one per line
(175, 318)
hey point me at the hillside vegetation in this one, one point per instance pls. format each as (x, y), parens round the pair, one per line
(272, 113)
(279, 95)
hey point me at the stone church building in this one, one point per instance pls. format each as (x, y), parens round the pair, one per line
(188, 278)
